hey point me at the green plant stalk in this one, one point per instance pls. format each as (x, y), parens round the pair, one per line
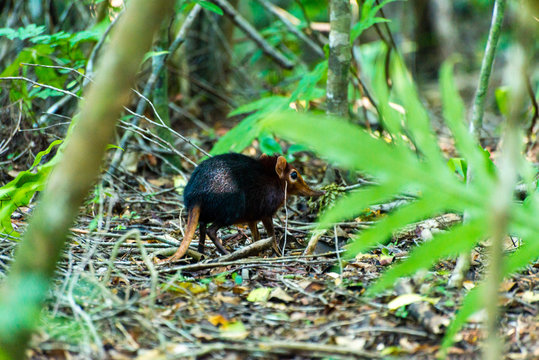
(509, 166)
(23, 292)
(478, 108)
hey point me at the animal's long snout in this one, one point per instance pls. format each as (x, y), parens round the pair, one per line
(306, 190)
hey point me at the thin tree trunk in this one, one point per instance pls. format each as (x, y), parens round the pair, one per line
(340, 53)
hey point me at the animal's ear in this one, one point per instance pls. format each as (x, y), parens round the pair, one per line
(280, 166)
(264, 156)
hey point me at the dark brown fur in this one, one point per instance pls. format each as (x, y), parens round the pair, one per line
(232, 189)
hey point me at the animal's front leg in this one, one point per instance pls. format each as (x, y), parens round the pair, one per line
(268, 224)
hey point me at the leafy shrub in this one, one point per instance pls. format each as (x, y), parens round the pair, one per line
(412, 163)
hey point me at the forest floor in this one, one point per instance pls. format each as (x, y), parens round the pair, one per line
(113, 300)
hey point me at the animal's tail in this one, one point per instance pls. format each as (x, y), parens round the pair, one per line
(192, 222)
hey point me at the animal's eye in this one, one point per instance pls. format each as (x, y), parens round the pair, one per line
(293, 175)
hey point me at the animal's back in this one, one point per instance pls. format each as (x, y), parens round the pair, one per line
(232, 188)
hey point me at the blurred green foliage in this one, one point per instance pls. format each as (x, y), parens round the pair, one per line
(420, 170)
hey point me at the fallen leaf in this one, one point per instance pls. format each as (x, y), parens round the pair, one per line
(197, 332)
(234, 300)
(386, 260)
(356, 344)
(188, 287)
(506, 285)
(259, 295)
(407, 299)
(217, 319)
(468, 285)
(234, 331)
(278, 293)
(529, 296)
(150, 354)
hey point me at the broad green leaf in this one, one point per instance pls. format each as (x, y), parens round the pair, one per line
(355, 202)
(238, 138)
(20, 190)
(417, 119)
(341, 142)
(472, 303)
(308, 83)
(455, 241)
(407, 214)
(268, 145)
(391, 119)
(453, 111)
(234, 330)
(271, 103)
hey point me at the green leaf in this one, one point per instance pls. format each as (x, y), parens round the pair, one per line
(268, 104)
(20, 190)
(453, 111)
(151, 54)
(356, 202)
(22, 33)
(238, 138)
(459, 239)
(381, 232)
(249, 129)
(234, 331)
(472, 303)
(210, 6)
(112, 146)
(502, 99)
(268, 145)
(307, 84)
(341, 141)
(417, 119)
(459, 166)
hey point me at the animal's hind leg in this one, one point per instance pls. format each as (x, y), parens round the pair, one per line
(212, 233)
(202, 230)
(254, 230)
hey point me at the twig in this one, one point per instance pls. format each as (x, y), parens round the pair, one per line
(93, 55)
(277, 11)
(251, 32)
(40, 85)
(535, 115)
(147, 260)
(298, 288)
(5, 143)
